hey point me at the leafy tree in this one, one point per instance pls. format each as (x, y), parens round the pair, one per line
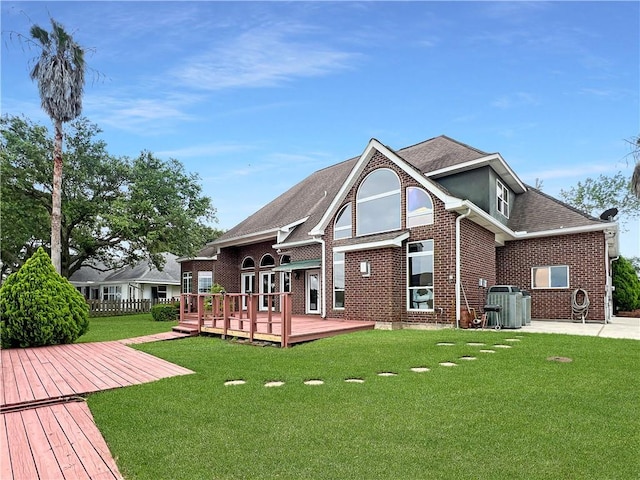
(40, 307)
(594, 196)
(635, 178)
(59, 73)
(115, 210)
(626, 296)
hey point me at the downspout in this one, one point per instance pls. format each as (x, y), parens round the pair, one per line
(323, 294)
(458, 221)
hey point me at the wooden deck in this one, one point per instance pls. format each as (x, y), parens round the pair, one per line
(35, 375)
(224, 317)
(46, 430)
(55, 442)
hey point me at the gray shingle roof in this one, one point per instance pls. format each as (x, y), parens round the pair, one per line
(535, 211)
(141, 272)
(531, 211)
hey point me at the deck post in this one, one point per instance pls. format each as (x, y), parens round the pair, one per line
(181, 317)
(269, 312)
(226, 299)
(253, 315)
(200, 311)
(285, 327)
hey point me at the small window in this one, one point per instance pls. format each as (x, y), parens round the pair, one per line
(248, 263)
(378, 203)
(502, 202)
(267, 261)
(420, 275)
(284, 259)
(205, 282)
(112, 292)
(187, 278)
(550, 277)
(419, 207)
(338, 280)
(342, 227)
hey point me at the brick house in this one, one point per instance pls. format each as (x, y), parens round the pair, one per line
(410, 237)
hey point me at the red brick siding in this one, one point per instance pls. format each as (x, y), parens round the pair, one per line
(583, 253)
(478, 252)
(195, 266)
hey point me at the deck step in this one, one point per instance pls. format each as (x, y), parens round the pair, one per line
(189, 329)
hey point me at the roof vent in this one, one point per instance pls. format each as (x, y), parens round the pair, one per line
(609, 214)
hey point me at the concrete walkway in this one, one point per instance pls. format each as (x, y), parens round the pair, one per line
(619, 327)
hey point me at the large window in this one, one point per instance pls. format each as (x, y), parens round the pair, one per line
(267, 261)
(187, 278)
(378, 203)
(420, 273)
(502, 201)
(205, 282)
(342, 228)
(550, 277)
(112, 292)
(419, 207)
(338, 280)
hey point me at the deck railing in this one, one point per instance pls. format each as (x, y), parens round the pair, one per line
(218, 310)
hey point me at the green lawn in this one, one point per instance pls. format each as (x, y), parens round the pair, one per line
(508, 414)
(102, 329)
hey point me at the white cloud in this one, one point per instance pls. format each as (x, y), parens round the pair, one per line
(259, 58)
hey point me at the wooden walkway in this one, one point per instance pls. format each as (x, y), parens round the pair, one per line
(44, 433)
(55, 442)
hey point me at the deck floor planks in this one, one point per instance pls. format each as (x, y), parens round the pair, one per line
(5, 459)
(43, 454)
(67, 459)
(22, 463)
(83, 418)
(68, 375)
(112, 374)
(154, 366)
(32, 373)
(52, 378)
(82, 444)
(84, 368)
(24, 387)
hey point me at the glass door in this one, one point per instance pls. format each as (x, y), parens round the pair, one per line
(248, 286)
(267, 285)
(313, 291)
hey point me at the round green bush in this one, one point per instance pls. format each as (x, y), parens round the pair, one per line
(165, 312)
(626, 296)
(40, 307)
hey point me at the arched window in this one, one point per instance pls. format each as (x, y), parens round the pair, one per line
(267, 261)
(284, 259)
(419, 207)
(378, 203)
(342, 227)
(247, 263)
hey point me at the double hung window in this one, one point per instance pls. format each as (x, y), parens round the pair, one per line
(420, 275)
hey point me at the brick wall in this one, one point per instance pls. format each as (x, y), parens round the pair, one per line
(583, 253)
(195, 266)
(478, 252)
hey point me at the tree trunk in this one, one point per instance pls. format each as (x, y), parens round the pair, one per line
(56, 199)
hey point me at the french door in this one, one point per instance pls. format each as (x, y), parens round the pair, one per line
(267, 285)
(248, 286)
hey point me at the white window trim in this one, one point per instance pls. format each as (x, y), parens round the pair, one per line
(202, 276)
(500, 196)
(242, 267)
(415, 215)
(343, 228)
(549, 267)
(185, 276)
(390, 193)
(338, 262)
(408, 288)
(271, 265)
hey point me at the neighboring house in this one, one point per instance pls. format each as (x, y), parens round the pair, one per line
(140, 282)
(412, 236)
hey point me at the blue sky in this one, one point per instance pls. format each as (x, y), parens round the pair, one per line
(254, 97)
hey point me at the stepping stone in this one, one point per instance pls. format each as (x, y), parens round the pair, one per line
(274, 384)
(512, 340)
(475, 344)
(487, 351)
(468, 357)
(354, 380)
(445, 344)
(314, 382)
(420, 369)
(387, 374)
(234, 382)
(502, 346)
(448, 364)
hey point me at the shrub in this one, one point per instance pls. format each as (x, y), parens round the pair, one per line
(165, 312)
(626, 296)
(40, 307)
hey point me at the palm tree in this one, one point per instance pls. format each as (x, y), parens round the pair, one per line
(59, 72)
(635, 179)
